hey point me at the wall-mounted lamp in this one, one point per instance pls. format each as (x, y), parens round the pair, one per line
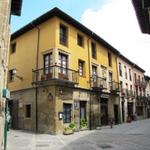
(61, 91)
(15, 74)
(60, 115)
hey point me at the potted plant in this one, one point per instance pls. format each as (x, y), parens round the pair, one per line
(68, 131)
(72, 126)
(83, 124)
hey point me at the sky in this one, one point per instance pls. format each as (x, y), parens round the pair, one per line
(113, 20)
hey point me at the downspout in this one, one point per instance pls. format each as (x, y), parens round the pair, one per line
(36, 88)
(89, 65)
(119, 93)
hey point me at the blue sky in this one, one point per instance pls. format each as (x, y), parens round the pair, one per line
(113, 20)
(32, 9)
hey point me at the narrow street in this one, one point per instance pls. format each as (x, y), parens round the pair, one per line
(127, 136)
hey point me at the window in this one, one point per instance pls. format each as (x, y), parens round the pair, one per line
(93, 47)
(11, 75)
(81, 67)
(13, 47)
(63, 35)
(94, 73)
(126, 86)
(28, 111)
(80, 40)
(125, 71)
(109, 59)
(120, 69)
(110, 81)
(104, 72)
(135, 77)
(63, 62)
(47, 63)
(94, 70)
(131, 87)
(130, 77)
(110, 77)
(67, 113)
(139, 79)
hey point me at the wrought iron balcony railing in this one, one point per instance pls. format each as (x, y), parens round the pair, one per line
(114, 87)
(55, 73)
(98, 82)
(140, 83)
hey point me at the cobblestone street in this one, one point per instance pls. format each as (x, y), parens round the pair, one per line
(128, 136)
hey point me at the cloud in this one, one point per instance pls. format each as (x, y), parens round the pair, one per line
(116, 22)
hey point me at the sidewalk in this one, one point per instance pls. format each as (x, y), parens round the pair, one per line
(127, 136)
(20, 140)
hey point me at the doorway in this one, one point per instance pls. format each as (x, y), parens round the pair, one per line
(13, 108)
(122, 104)
(82, 110)
(104, 111)
(116, 113)
(130, 109)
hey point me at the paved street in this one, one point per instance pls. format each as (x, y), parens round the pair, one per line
(128, 136)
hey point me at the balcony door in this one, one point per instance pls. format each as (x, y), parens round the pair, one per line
(94, 75)
(110, 81)
(63, 65)
(48, 65)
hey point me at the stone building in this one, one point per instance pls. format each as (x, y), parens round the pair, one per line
(7, 7)
(128, 87)
(61, 72)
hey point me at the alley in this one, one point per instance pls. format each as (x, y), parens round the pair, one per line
(128, 136)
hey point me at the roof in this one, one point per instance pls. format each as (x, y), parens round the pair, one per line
(131, 63)
(147, 78)
(141, 9)
(57, 12)
(16, 7)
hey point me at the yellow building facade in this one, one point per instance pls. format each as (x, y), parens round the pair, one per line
(61, 72)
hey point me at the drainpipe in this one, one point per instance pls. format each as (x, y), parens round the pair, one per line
(119, 115)
(89, 65)
(36, 88)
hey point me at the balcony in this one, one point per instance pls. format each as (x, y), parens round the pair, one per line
(54, 75)
(143, 84)
(140, 83)
(98, 83)
(137, 82)
(114, 87)
(127, 93)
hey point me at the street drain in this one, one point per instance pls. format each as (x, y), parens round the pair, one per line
(42, 145)
(104, 146)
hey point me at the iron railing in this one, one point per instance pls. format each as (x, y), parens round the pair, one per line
(54, 73)
(114, 87)
(98, 82)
